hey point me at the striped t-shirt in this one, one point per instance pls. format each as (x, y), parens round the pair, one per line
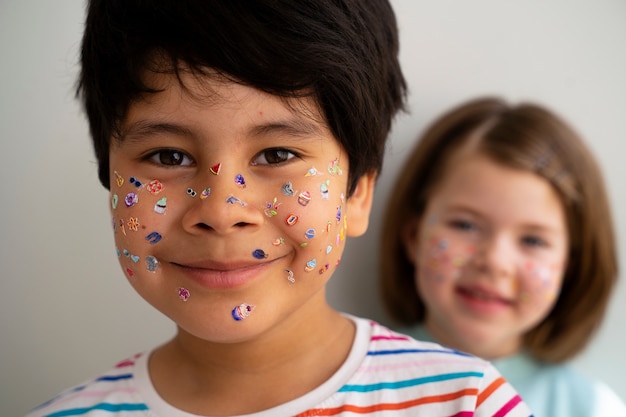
(385, 374)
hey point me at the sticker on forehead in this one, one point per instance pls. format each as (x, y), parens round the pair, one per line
(215, 169)
(118, 179)
(160, 206)
(287, 189)
(242, 311)
(183, 293)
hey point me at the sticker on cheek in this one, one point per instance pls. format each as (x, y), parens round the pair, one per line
(324, 189)
(131, 199)
(287, 189)
(279, 241)
(334, 168)
(259, 254)
(133, 224)
(338, 215)
(290, 276)
(114, 201)
(310, 265)
(152, 263)
(160, 206)
(291, 220)
(311, 172)
(134, 181)
(271, 208)
(205, 193)
(242, 311)
(155, 186)
(130, 273)
(183, 293)
(119, 180)
(304, 198)
(309, 234)
(240, 181)
(122, 227)
(191, 192)
(154, 238)
(215, 169)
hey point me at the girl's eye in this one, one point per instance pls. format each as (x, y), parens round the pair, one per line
(273, 156)
(463, 225)
(170, 157)
(534, 241)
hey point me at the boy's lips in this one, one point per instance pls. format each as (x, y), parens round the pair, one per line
(222, 275)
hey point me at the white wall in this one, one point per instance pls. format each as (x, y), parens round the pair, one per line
(66, 311)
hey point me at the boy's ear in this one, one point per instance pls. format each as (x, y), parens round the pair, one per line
(359, 205)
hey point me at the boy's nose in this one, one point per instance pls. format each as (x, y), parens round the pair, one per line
(225, 207)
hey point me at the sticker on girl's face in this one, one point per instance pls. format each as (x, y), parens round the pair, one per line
(135, 182)
(304, 198)
(278, 241)
(290, 276)
(271, 208)
(231, 199)
(242, 311)
(133, 224)
(205, 193)
(259, 254)
(215, 169)
(310, 265)
(152, 263)
(191, 192)
(324, 189)
(154, 238)
(334, 168)
(114, 201)
(311, 172)
(291, 220)
(309, 234)
(130, 272)
(240, 181)
(118, 179)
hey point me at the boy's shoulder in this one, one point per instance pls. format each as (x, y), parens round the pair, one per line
(114, 393)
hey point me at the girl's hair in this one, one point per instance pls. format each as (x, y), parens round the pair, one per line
(531, 138)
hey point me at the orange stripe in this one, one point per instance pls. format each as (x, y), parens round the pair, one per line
(388, 406)
(490, 389)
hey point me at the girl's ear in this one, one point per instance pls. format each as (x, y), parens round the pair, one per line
(410, 239)
(359, 205)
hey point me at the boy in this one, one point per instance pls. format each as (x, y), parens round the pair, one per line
(241, 141)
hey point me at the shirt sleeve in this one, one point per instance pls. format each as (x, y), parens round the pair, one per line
(497, 398)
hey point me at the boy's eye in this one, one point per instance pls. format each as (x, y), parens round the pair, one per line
(170, 157)
(272, 156)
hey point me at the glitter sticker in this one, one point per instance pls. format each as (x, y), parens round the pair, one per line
(152, 263)
(154, 238)
(291, 220)
(118, 179)
(155, 186)
(242, 311)
(191, 192)
(290, 277)
(114, 201)
(160, 206)
(131, 199)
(135, 182)
(304, 198)
(310, 265)
(183, 293)
(231, 199)
(133, 223)
(205, 193)
(259, 254)
(215, 169)
(240, 181)
(338, 215)
(271, 208)
(287, 189)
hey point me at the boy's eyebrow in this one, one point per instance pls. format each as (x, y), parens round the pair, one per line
(145, 128)
(292, 127)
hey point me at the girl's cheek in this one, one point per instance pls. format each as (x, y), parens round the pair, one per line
(442, 259)
(540, 281)
(137, 210)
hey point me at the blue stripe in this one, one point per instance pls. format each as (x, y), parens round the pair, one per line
(114, 377)
(409, 382)
(397, 351)
(102, 406)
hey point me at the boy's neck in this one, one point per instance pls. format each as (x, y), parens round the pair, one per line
(229, 379)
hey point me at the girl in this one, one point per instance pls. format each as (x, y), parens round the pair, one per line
(498, 241)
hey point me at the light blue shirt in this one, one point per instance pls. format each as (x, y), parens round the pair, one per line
(550, 390)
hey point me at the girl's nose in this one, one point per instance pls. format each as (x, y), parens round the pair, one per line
(495, 256)
(225, 207)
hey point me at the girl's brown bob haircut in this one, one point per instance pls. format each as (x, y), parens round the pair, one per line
(531, 138)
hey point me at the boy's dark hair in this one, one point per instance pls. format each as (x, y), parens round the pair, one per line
(530, 138)
(343, 53)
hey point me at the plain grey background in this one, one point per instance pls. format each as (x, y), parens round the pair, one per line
(66, 311)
